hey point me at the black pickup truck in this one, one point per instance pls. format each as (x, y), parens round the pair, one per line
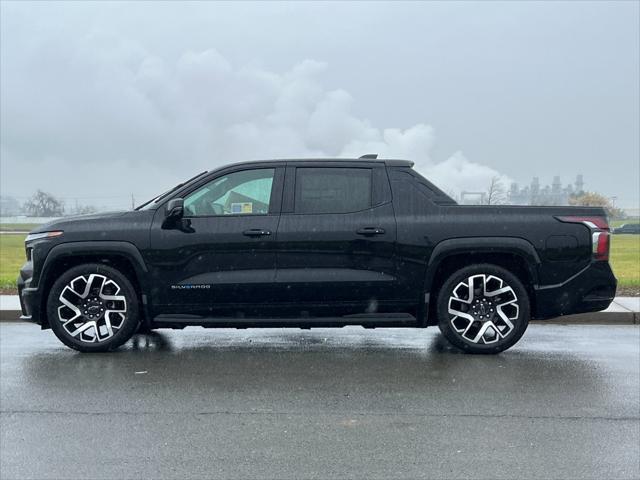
(315, 243)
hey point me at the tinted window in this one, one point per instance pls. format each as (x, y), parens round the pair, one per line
(332, 190)
(247, 192)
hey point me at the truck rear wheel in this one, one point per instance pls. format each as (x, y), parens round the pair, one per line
(483, 308)
(93, 308)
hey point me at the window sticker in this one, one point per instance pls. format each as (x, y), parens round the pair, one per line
(242, 207)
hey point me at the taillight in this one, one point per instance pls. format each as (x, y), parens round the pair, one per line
(600, 245)
(599, 233)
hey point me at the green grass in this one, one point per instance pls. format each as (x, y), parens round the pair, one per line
(17, 227)
(11, 258)
(625, 259)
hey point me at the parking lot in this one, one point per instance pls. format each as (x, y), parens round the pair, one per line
(323, 403)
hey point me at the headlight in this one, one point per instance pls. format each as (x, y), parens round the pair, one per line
(37, 236)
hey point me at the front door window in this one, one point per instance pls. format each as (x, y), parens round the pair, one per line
(247, 192)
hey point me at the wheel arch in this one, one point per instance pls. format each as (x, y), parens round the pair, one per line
(123, 256)
(513, 254)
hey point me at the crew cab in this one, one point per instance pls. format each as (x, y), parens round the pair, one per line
(315, 243)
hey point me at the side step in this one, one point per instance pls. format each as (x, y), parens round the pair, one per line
(364, 319)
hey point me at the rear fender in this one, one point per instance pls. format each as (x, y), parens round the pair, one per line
(478, 246)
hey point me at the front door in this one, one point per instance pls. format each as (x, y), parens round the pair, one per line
(221, 261)
(336, 240)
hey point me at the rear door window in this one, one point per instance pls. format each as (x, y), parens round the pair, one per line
(332, 190)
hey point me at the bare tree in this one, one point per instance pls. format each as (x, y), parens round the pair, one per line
(496, 193)
(44, 204)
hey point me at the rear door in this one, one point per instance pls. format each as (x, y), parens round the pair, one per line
(336, 239)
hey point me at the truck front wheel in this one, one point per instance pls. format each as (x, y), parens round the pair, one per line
(483, 308)
(93, 308)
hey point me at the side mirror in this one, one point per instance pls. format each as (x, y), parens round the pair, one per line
(175, 208)
(174, 212)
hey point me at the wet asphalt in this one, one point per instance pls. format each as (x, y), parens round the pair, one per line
(340, 403)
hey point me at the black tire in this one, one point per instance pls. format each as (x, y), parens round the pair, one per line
(62, 322)
(498, 334)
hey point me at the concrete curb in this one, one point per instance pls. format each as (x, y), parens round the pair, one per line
(10, 316)
(622, 312)
(595, 318)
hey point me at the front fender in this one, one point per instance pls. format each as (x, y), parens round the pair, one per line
(104, 247)
(35, 294)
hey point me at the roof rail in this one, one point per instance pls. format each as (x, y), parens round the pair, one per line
(370, 156)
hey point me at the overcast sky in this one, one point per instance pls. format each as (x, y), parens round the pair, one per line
(102, 100)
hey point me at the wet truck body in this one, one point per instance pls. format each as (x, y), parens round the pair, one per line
(316, 243)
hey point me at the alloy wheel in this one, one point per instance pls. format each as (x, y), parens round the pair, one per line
(483, 309)
(92, 308)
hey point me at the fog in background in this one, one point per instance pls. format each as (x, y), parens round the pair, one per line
(103, 100)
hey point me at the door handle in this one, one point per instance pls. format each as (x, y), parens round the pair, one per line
(367, 231)
(256, 232)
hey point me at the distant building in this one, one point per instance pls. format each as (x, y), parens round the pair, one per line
(473, 198)
(554, 194)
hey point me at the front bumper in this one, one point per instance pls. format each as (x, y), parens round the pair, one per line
(30, 298)
(590, 290)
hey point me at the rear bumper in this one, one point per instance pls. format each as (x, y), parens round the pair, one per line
(590, 290)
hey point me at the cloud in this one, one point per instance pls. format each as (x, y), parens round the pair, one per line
(457, 174)
(453, 175)
(110, 106)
